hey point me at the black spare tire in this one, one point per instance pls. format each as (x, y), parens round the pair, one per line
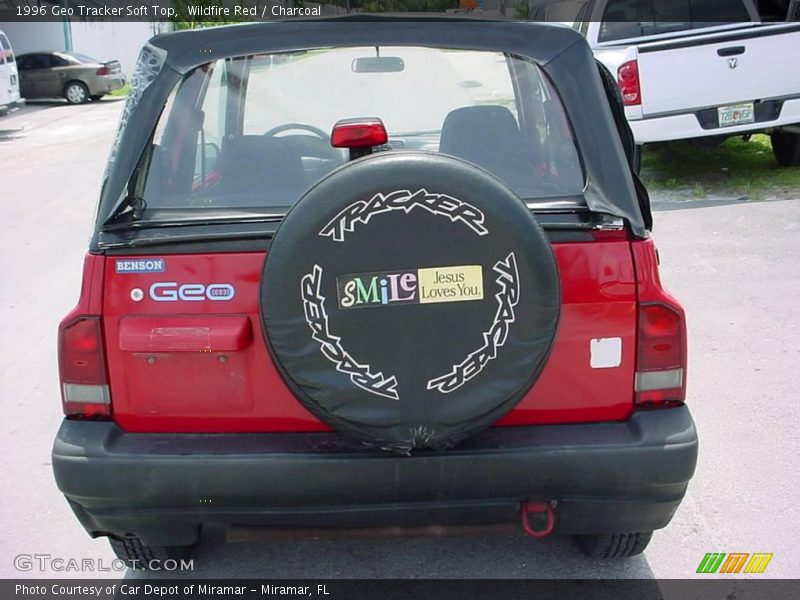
(409, 299)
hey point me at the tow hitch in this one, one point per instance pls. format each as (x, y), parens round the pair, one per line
(543, 518)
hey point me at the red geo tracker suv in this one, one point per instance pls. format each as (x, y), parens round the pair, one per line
(371, 272)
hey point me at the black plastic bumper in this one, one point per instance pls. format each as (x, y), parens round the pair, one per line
(606, 477)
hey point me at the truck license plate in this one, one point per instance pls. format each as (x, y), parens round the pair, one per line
(736, 114)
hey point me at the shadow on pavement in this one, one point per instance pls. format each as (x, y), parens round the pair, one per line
(7, 135)
(46, 102)
(470, 557)
(667, 205)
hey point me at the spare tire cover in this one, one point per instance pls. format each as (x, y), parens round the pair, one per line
(409, 299)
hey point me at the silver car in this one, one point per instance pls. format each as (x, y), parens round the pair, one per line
(70, 75)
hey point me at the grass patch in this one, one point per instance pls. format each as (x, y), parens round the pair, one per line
(123, 91)
(735, 168)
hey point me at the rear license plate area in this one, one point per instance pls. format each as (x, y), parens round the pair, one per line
(736, 114)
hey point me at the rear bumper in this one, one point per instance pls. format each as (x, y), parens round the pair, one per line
(606, 477)
(106, 83)
(687, 126)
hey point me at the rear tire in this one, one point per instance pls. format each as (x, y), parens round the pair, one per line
(76, 92)
(137, 555)
(613, 546)
(786, 148)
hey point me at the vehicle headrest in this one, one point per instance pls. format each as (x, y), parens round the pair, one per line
(484, 135)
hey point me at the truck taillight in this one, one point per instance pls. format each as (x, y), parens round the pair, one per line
(629, 86)
(661, 358)
(84, 388)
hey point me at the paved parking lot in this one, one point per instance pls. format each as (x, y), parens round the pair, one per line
(734, 266)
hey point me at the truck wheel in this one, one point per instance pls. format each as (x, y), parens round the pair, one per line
(76, 93)
(786, 148)
(617, 545)
(136, 555)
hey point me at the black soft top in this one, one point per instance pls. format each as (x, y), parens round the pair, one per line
(561, 52)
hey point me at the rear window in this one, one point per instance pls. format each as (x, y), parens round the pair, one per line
(6, 54)
(58, 61)
(82, 58)
(566, 12)
(255, 130)
(637, 18)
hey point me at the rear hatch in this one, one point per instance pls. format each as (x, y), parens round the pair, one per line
(184, 342)
(711, 70)
(186, 352)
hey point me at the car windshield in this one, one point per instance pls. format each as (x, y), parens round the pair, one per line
(254, 131)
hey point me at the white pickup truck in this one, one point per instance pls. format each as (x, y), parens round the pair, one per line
(695, 69)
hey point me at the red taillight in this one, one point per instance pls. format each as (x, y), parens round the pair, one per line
(358, 133)
(103, 71)
(661, 357)
(628, 80)
(84, 389)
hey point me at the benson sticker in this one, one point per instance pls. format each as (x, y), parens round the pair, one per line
(140, 265)
(417, 286)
